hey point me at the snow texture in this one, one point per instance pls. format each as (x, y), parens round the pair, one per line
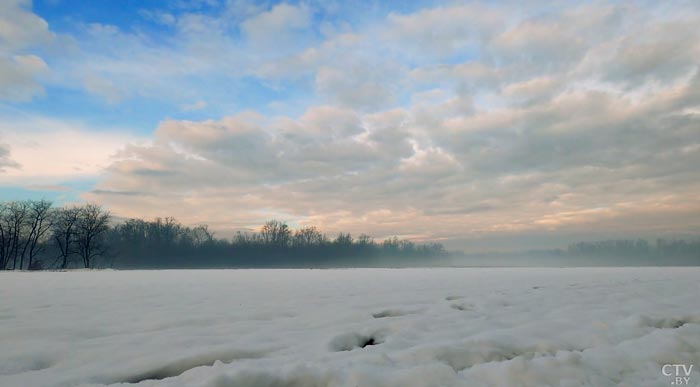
(360, 327)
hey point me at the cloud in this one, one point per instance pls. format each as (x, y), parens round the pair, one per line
(100, 192)
(20, 28)
(533, 90)
(582, 158)
(329, 122)
(438, 123)
(444, 31)
(358, 86)
(21, 31)
(47, 187)
(467, 78)
(46, 151)
(667, 51)
(18, 77)
(539, 43)
(5, 159)
(104, 88)
(277, 27)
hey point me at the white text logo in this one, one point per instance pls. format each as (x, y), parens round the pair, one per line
(680, 373)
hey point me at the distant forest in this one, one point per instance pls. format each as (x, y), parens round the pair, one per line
(614, 252)
(637, 248)
(34, 235)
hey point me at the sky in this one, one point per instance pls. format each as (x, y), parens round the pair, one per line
(483, 125)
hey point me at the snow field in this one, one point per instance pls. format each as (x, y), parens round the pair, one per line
(359, 327)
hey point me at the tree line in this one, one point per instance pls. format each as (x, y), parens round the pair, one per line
(639, 248)
(29, 229)
(34, 235)
(612, 252)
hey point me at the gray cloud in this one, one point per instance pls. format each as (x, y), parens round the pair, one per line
(444, 31)
(5, 159)
(579, 158)
(101, 192)
(18, 77)
(667, 51)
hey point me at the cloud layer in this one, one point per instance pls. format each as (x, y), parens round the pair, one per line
(437, 123)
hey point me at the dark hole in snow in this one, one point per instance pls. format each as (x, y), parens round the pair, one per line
(393, 313)
(370, 341)
(350, 341)
(463, 307)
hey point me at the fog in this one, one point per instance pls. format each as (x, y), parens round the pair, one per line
(35, 235)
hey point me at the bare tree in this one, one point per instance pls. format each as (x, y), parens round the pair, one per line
(92, 224)
(65, 232)
(38, 223)
(275, 233)
(365, 239)
(308, 236)
(201, 234)
(16, 213)
(5, 236)
(343, 240)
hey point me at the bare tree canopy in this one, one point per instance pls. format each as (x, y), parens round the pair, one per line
(64, 233)
(13, 220)
(93, 223)
(39, 223)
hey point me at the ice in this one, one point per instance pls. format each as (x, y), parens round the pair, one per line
(358, 327)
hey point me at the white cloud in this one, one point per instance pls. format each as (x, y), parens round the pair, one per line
(467, 77)
(276, 28)
(21, 31)
(356, 86)
(18, 77)
(534, 90)
(104, 88)
(20, 28)
(50, 151)
(540, 43)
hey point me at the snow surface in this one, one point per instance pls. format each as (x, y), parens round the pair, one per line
(360, 327)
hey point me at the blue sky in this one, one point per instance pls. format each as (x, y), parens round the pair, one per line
(142, 114)
(430, 120)
(73, 21)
